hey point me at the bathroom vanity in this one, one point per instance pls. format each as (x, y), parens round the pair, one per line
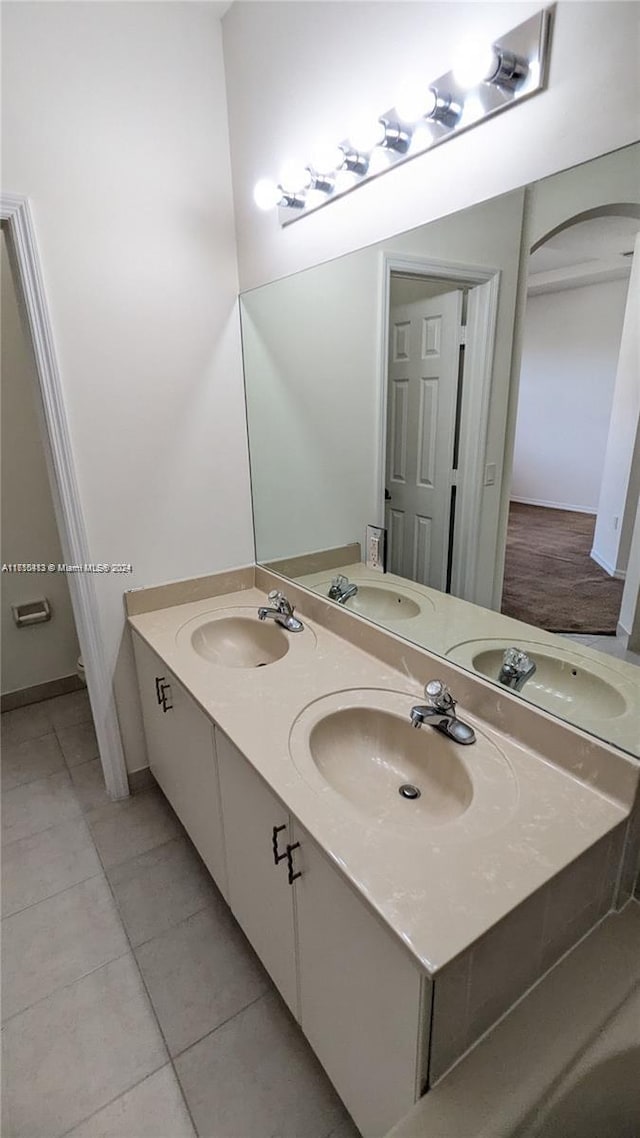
(396, 929)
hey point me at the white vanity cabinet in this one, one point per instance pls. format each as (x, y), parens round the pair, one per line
(361, 1001)
(182, 757)
(257, 831)
(364, 1004)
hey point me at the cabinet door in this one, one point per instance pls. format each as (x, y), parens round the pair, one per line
(364, 1004)
(182, 757)
(260, 895)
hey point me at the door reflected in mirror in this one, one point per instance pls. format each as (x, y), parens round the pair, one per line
(474, 401)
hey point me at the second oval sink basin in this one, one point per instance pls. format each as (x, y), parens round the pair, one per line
(240, 642)
(360, 745)
(369, 755)
(381, 602)
(563, 682)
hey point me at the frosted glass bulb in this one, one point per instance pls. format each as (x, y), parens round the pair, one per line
(415, 101)
(365, 134)
(294, 177)
(379, 161)
(325, 157)
(475, 63)
(345, 179)
(266, 194)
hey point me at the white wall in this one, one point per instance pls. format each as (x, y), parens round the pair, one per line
(296, 71)
(621, 475)
(30, 655)
(567, 377)
(114, 123)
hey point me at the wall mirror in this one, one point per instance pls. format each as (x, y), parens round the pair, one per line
(471, 386)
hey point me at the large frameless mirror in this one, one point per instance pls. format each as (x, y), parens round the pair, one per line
(470, 386)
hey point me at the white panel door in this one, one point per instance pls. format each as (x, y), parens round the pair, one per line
(364, 1003)
(422, 389)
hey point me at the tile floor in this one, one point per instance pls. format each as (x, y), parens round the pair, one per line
(133, 1006)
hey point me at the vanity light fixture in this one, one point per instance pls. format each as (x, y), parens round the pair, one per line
(486, 80)
(489, 63)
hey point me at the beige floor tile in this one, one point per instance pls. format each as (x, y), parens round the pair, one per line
(88, 783)
(346, 1129)
(36, 806)
(71, 1054)
(29, 760)
(198, 974)
(57, 941)
(153, 1109)
(26, 723)
(37, 867)
(67, 710)
(160, 888)
(79, 743)
(256, 1075)
(124, 829)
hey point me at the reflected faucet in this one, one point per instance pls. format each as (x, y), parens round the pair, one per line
(281, 612)
(440, 712)
(516, 669)
(341, 589)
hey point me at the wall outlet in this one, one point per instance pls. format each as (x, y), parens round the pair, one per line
(375, 550)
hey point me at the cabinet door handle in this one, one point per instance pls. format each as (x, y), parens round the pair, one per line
(277, 857)
(289, 855)
(163, 692)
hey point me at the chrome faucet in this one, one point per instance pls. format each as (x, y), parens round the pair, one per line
(341, 589)
(440, 712)
(281, 611)
(516, 669)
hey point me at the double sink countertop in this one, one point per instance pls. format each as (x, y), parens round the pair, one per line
(543, 792)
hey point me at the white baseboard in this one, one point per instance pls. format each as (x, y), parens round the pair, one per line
(555, 505)
(618, 574)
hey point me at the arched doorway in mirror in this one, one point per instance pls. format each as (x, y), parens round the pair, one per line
(576, 465)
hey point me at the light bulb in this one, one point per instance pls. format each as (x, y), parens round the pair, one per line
(294, 177)
(326, 157)
(365, 134)
(379, 161)
(345, 179)
(266, 194)
(415, 101)
(476, 62)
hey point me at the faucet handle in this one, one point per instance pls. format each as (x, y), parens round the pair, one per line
(279, 601)
(339, 582)
(517, 660)
(439, 695)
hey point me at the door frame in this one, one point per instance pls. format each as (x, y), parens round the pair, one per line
(16, 216)
(478, 370)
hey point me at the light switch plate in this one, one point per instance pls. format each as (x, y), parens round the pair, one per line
(376, 537)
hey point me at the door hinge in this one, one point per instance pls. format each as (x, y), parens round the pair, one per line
(462, 334)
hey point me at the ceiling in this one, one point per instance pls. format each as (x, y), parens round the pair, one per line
(584, 253)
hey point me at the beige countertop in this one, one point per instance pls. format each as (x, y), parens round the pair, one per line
(439, 888)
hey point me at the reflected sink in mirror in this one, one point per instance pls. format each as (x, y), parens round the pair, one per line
(239, 641)
(380, 602)
(361, 745)
(563, 682)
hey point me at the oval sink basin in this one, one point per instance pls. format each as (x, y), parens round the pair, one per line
(367, 755)
(381, 602)
(361, 745)
(240, 642)
(563, 683)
